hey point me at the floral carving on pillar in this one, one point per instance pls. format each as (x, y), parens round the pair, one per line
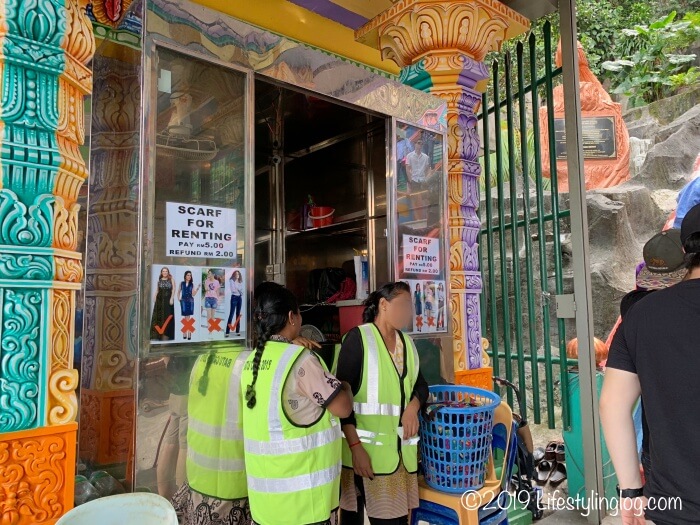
(46, 45)
(447, 41)
(36, 475)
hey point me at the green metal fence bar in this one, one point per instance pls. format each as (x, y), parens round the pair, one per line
(531, 319)
(555, 211)
(501, 233)
(489, 246)
(541, 359)
(506, 332)
(540, 82)
(544, 285)
(535, 220)
(515, 245)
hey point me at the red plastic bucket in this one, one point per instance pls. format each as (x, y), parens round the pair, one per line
(321, 216)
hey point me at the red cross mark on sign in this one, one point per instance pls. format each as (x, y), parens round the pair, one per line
(419, 322)
(431, 321)
(214, 325)
(187, 325)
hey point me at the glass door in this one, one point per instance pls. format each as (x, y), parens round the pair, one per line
(197, 257)
(420, 237)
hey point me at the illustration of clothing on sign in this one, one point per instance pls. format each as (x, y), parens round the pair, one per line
(163, 312)
(441, 308)
(418, 298)
(237, 290)
(187, 299)
(211, 298)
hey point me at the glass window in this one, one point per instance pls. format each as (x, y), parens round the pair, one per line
(199, 285)
(420, 206)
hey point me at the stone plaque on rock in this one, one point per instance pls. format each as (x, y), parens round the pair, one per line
(606, 150)
(598, 138)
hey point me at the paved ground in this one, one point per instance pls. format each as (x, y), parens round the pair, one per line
(570, 517)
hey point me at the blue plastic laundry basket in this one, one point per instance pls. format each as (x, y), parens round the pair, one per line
(455, 442)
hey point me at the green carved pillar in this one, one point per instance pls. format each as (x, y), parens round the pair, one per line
(45, 47)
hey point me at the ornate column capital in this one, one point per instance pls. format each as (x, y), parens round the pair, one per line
(440, 46)
(447, 36)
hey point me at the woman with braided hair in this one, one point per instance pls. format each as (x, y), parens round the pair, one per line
(290, 426)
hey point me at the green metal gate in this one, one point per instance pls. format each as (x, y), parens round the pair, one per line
(523, 222)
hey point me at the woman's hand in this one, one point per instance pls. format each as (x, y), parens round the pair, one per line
(361, 463)
(306, 343)
(409, 420)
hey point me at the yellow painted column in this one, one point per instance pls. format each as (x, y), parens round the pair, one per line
(440, 46)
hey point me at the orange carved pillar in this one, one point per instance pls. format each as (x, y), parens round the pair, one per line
(440, 46)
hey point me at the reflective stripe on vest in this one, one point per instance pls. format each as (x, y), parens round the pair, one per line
(292, 446)
(377, 412)
(215, 463)
(295, 483)
(293, 472)
(215, 459)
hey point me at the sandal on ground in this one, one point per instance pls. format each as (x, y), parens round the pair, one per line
(550, 453)
(543, 471)
(538, 455)
(558, 475)
(561, 453)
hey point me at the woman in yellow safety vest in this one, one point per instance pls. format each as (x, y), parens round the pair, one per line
(216, 487)
(380, 363)
(291, 434)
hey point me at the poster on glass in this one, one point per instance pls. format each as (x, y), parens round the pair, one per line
(420, 216)
(223, 303)
(162, 329)
(189, 284)
(429, 306)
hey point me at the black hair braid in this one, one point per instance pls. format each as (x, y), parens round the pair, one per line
(371, 305)
(271, 316)
(263, 338)
(203, 383)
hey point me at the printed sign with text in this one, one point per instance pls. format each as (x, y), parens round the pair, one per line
(195, 230)
(421, 255)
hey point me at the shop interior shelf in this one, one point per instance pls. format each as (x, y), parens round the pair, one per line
(354, 225)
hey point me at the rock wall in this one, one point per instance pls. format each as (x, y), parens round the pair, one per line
(665, 139)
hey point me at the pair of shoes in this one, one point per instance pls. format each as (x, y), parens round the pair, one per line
(551, 467)
(226, 334)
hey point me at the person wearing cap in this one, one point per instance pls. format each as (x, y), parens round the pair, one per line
(656, 354)
(663, 266)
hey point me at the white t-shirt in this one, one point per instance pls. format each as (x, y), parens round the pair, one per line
(236, 288)
(418, 163)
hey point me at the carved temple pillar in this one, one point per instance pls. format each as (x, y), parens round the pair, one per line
(45, 48)
(109, 353)
(440, 46)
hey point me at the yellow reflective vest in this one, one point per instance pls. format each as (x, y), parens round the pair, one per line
(293, 472)
(215, 463)
(380, 402)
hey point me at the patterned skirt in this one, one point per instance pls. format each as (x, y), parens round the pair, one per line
(194, 508)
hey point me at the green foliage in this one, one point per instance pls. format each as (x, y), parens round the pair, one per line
(492, 176)
(657, 68)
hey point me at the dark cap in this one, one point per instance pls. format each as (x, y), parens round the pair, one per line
(664, 260)
(690, 224)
